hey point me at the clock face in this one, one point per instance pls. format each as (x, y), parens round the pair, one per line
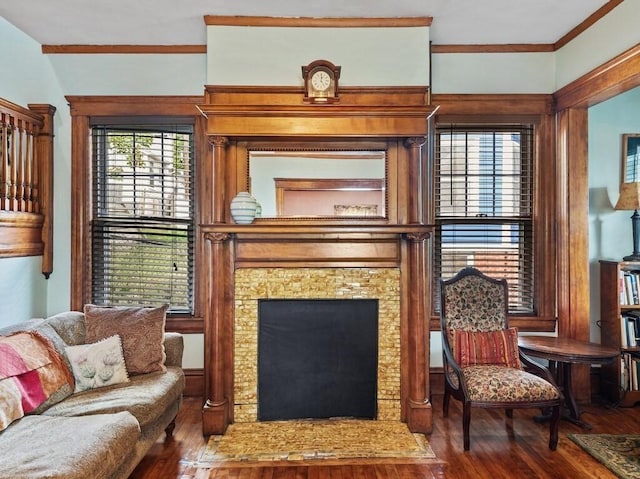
(321, 80)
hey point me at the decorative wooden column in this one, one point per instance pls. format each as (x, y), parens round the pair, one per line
(44, 171)
(217, 411)
(415, 191)
(418, 405)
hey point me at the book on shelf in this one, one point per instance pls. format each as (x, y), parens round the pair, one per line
(630, 372)
(630, 329)
(629, 284)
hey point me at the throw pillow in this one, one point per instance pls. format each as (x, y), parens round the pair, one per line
(32, 374)
(98, 364)
(475, 348)
(140, 328)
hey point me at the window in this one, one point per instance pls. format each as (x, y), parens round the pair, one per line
(484, 206)
(142, 215)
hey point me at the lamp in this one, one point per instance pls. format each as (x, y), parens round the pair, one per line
(630, 200)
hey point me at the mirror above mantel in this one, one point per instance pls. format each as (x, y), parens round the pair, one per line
(321, 182)
(363, 158)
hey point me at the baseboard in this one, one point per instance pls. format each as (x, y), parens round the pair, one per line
(194, 382)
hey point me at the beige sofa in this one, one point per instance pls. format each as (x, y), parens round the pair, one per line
(98, 433)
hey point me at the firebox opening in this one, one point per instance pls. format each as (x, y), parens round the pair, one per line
(317, 358)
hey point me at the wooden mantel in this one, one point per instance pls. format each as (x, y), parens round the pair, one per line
(397, 118)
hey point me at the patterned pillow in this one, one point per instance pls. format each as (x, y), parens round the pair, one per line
(498, 348)
(140, 328)
(98, 364)
(32, 375)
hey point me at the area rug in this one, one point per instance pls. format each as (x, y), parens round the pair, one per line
(619, 453)
(316, 439)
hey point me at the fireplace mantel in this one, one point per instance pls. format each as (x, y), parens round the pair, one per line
(283, 228)
(398, 117)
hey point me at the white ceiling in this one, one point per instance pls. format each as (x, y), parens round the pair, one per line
(181, 22)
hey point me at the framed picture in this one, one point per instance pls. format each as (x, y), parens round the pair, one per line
(631, 158)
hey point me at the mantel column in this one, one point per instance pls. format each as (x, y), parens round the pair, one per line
(217, 195)
(417, 406)
(218, 336)
(416, 178)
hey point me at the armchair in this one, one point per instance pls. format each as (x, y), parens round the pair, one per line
(483, 366)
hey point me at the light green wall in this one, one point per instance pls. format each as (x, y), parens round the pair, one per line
(273, 55)
(27, 77)
(610, 234)
(37, 78)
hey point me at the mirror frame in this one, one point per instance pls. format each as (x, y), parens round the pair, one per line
(330, 147)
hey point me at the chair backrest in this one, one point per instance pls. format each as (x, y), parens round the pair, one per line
(472, 301)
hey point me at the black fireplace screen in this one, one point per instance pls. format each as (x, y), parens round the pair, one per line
(317, 358)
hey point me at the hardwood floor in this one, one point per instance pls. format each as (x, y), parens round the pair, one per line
(500, 448)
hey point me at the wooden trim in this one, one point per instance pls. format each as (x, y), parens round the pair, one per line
(281, 112)
(82, 109)
(133, 105)
(537, 109)
(194, 382)
(616, 76)
(44, 157)
(185, 324)
(124, 49)
(486, 107)
(20, 234)
(588, 22)
(26, 188)
(337, 22)
(80, 213)
(497, 48)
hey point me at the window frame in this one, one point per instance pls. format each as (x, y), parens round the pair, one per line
(544, 204)
(106, 220)
(466, 207)
(86, 110)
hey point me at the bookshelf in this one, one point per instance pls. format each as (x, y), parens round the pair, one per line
(620, 301)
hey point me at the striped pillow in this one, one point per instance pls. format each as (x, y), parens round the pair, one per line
(498, 348)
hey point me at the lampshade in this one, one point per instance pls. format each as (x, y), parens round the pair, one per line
(629, 197)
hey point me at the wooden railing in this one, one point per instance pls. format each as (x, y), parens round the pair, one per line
(26, 182)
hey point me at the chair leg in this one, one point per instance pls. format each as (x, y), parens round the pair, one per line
(509, 413)
(554, 423)
(466, 421)
(445, 402)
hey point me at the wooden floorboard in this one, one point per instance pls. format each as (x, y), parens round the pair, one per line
(501, 448)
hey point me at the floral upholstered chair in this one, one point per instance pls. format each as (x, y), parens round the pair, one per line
(483, 365)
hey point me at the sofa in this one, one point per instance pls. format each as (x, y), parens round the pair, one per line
(92, 423)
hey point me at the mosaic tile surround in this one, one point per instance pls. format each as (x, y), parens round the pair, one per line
(252, 284)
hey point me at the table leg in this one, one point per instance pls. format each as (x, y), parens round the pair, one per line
(564, 382)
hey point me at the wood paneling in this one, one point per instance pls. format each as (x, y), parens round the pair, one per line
(26, 182)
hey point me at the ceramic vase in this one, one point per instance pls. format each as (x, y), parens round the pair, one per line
(243, 208)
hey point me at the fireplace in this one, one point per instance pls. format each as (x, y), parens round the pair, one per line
(377, 286)
(317, 358)
(385, 257)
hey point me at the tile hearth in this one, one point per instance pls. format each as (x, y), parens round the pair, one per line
(322, 439)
